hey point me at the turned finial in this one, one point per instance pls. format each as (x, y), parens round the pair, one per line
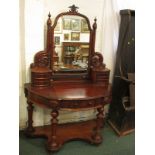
(49, 15)
(95, 24)
(49, 22)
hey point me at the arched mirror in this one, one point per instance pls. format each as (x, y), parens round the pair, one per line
(71, 44)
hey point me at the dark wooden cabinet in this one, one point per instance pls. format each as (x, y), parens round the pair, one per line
(122, 110)
(73, 89)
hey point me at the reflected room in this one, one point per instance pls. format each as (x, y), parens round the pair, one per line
(71, 50)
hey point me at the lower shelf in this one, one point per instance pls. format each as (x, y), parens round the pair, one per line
(66, 132)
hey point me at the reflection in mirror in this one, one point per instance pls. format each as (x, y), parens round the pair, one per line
(71, 36)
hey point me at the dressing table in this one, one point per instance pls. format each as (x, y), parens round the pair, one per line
(80, 85)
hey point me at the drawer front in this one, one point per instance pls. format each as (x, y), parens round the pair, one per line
(92, 103)
(40, 79)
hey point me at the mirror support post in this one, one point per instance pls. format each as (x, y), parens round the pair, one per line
(49, 39)
(94, 35)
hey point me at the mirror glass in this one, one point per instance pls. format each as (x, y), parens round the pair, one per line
(71, 36)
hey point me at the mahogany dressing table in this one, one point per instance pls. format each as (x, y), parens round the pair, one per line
(84, 84)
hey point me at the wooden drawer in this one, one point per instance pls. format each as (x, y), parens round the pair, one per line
(82, 103)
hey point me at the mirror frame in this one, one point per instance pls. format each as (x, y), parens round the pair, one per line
(50, 45)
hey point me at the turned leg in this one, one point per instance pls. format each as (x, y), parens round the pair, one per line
(99, 124)
(52, 144)
(30, 128)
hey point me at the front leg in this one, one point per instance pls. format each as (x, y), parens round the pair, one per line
(53, 144)
(30, 128)
(97, 138)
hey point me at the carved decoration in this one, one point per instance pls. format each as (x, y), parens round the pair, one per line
(97, 61)
(41, 59)
(73, 8)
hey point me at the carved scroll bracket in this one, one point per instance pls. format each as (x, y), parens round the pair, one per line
(97, 61)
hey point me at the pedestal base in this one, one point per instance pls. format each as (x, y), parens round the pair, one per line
(66, 132)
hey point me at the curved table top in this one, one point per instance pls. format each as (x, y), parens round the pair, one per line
(70, 91)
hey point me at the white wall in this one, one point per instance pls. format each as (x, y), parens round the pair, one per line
(22, 69)
(33, 17)
(110, 29)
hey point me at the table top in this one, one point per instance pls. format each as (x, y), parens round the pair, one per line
(70, 91)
